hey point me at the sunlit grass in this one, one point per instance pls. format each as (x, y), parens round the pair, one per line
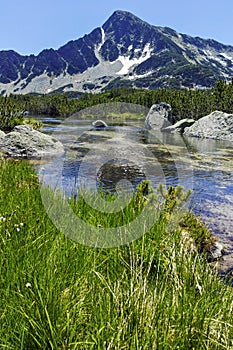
(157, 292)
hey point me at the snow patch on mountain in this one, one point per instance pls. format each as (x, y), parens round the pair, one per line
(128, 63)
(227, 56)
(212, 55)
(112, 55)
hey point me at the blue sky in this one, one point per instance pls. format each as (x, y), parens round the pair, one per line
(29, 26)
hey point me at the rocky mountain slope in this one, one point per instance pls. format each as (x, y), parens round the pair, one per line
(125, 51)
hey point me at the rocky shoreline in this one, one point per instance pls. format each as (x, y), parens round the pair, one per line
(25, 142)
(217, 125)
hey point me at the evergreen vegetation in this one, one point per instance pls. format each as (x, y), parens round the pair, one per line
(185, 103)
(10, 113)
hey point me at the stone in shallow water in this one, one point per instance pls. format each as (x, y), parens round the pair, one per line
(25, 142)
(159, 116)
(217, 125)
(114, 171)
(99, 124)
(179, 126)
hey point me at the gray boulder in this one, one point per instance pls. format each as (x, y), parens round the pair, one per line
(159, 116)
(179, 126)
(25, 142)
(99, 124)
(217, 125)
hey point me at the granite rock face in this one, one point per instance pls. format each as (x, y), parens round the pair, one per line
(25, 142)
(217, 125)
(159, 117)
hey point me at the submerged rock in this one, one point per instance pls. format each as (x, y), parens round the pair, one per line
(217, 125)
(25, 142)
(159, 116)
(112, 172)
(99, 124)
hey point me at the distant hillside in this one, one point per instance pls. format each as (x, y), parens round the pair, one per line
(125, 51)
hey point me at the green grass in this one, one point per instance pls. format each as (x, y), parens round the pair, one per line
(157, 292)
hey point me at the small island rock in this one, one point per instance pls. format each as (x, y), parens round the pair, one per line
(159, 116)
(99, 124)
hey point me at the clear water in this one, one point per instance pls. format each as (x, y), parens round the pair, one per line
(126, 151)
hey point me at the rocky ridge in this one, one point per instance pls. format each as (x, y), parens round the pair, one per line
(124, 51)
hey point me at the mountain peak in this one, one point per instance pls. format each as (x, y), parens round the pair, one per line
(121, 16)
(122, 13)
(124, 51)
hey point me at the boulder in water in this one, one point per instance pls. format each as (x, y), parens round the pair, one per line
(159, 116)
(25, 142)
(99, 124)
(217, 125)
(179, 126)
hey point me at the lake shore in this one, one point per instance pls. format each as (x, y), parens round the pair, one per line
(61, 293)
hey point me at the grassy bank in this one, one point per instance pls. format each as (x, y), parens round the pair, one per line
(157, 292)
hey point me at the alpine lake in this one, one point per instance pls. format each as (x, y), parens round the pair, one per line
(125, 153)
